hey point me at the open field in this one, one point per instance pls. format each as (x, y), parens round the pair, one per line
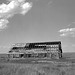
(69, 55)
(51, 67)
(37, 69)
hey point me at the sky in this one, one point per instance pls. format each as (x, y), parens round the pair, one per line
(37, 21)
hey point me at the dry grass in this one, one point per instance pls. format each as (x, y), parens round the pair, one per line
(24, 68)
(37, 69)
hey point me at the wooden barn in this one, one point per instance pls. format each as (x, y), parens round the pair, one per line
(37, 50)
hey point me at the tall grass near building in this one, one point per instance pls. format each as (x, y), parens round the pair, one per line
(54, 68)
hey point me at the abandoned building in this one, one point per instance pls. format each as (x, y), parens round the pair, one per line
(36, 50)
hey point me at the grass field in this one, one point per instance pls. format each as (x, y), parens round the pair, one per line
(37, 69)
(52, 67)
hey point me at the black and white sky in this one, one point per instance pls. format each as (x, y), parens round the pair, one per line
(23, 21)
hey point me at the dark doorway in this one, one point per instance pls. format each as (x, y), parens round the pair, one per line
(21, 55)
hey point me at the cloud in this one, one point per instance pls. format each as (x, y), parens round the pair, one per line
(3, 23)
(13, 7)
(67, 32)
